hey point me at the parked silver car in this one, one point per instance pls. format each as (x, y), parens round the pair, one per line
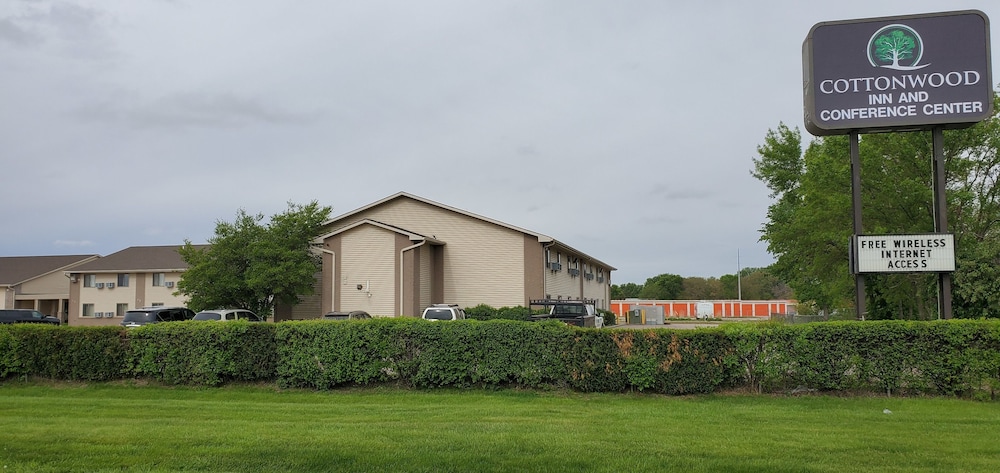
(227, 315)
(443, 312)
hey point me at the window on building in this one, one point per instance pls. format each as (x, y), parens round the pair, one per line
(120, 310)
(89, 280)
(122, 279)
(88, 310)
(159, 278)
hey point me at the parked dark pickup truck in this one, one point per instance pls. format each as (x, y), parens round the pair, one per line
(581, 313)
(22, 316)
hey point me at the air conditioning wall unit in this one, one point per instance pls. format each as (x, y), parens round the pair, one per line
(98, 314)
(100, 285)
(169, 284)
(111, 285)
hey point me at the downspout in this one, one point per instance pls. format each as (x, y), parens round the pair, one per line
(404, 250)
(333, 277)
(6, 290)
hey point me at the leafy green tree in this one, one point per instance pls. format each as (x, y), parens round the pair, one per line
(251, 265)
(698, 288)
(629, 290)
(762, 284)
(730, 286)
(662, 287)
(974, 206)
(809, 225)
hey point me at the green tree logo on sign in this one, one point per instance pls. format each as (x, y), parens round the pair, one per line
(896, 47)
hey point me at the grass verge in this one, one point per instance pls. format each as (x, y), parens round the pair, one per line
(120, 427)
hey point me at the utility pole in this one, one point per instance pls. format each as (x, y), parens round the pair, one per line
(739, 283)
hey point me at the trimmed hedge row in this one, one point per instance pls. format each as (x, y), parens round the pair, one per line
(203, 354)
(955, 358)
(70, 353)
(422, 354)
(958, 357)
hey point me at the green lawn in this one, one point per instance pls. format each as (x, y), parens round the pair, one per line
(114, 427)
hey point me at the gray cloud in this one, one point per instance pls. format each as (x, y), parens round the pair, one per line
(11, 32)
(194, 110)
(623, 129)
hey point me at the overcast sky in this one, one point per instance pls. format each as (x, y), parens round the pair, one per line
(625, 129)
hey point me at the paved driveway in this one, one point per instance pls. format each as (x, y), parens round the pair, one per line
(678, 326)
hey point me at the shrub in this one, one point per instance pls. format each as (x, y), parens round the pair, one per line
(10, 364)
(203, 353)
(486, 312)
(514, 313)
(324, 355)
(481, 312)
(419, 353)
(59, 352)
(658, 360)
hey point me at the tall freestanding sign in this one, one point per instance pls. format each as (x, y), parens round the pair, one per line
(903, 73)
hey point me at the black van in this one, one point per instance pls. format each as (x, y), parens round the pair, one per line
(26, 316)
(152, 315)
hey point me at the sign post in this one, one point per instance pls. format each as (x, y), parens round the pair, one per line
(892, 74)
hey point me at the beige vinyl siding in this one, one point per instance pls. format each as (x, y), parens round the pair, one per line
(107, 299)
(309, 307)
(560, 284)
(158, 294)
(597, 291)
(372, 264)
(593, 289)
(483, 262)
(55, 283)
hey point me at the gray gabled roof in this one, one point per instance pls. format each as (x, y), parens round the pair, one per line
(19, 269)
(139, 259)
(542, 238)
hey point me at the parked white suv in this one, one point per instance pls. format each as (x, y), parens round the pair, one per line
(443, 312)
(227, 315)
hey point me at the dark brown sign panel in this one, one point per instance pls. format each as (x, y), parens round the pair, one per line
(897, 73)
